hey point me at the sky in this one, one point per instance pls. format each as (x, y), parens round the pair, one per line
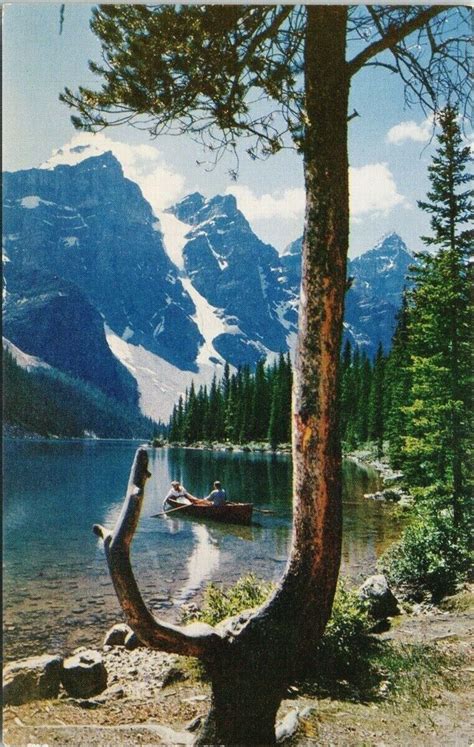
(390, 147)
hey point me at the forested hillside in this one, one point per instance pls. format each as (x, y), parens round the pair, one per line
(47, 402)
(246, 406)
(241, 407)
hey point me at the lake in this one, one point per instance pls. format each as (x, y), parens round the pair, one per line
(57, 590)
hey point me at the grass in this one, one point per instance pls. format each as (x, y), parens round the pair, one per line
(413, 674)
(461, 602)
(219, 603)
(350, 664)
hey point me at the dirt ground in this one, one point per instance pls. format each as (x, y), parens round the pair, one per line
(141, 707)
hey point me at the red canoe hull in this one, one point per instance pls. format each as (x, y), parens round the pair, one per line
(229, 513)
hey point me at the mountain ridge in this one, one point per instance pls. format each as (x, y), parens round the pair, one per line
(174, 296)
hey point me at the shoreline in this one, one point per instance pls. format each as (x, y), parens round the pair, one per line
(157, 698)
(365, 457)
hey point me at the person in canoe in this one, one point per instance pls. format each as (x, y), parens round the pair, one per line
(179, 494)
(217, 496)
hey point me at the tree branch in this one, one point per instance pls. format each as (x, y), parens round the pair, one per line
(393, 36)
(197, 639)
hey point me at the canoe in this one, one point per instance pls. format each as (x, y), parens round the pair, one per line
(230, 513)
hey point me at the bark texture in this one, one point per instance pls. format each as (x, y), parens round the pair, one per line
(272, 647)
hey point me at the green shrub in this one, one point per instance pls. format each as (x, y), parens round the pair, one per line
(432, 555)
(219, 603)
(345, 640)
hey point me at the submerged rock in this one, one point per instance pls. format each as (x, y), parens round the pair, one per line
(31, 679)
(393, 495)
(84, 674)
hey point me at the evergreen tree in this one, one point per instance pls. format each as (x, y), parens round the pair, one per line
(273, 434)
(364, 381)
(172, 427)
(231, 412)
(351, 400)
(345, 390)
(246, 398)
(191, 429)
(397, 389)
(215, 413)
(260, 411)
(376, 402)
(440, 314)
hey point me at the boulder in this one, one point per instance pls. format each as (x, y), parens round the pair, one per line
(172, 675)
(132, 641)
(84, 674)
(287, 727)
(392, 494)
(380, 599)
(31, 679)
(117, 635)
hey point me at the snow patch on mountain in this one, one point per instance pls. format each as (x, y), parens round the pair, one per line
(174, 237)
(70, 241)
(24, 359)
(33, 201)
(210, 322)
(160, 384)
(71, 155)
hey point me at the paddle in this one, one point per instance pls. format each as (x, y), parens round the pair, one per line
(165, 513)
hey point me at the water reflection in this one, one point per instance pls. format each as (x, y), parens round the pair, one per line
(57, 590)
(203, 561)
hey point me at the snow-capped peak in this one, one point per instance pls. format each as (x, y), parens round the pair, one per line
(70, 155)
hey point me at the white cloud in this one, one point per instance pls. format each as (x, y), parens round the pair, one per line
(285, 204)
(142, 164)
(410, 130)
(373, 190)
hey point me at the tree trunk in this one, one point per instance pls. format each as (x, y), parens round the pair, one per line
(244, 705)
(251, 672)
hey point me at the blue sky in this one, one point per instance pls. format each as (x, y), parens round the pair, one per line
(389, 145)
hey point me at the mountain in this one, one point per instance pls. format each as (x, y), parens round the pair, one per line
(239, 276)
(374, 298)
(51, 319)
(138, 305)
(291, 263)
(88, 225)
(378, 278)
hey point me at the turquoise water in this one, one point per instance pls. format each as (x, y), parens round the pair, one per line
(57, 591)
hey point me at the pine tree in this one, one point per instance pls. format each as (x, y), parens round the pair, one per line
(352, 388)
(363, 393)
(376, 397)
(246, 398)
(191, 417)
(440, 314)
(231, 411)
(397, 389)
(260, 403)
(345, 390)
